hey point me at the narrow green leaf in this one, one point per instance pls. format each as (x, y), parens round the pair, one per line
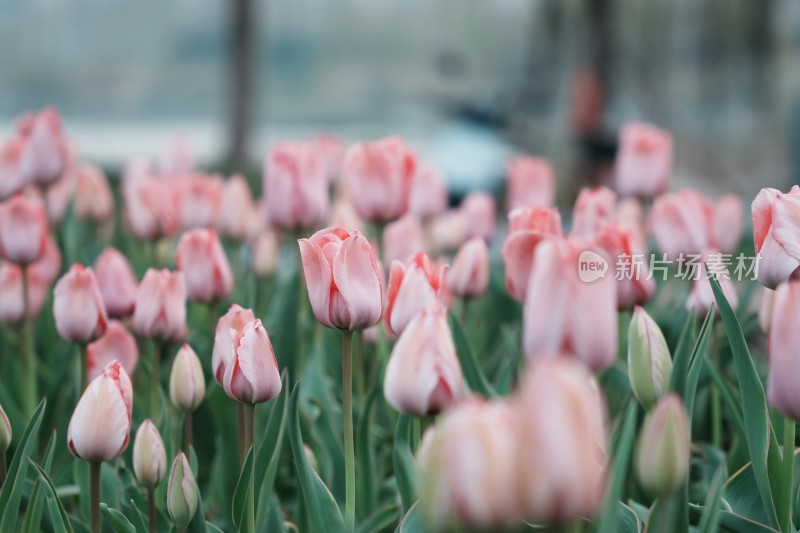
(117, 520)
(58, 516)
(619, 472)
(727, 396)
(404, 463)
(412, 521)
(380, 520)
(33, 517)
(366, 493)
(268, 456)
(696, 361)
(469, 364)
(138, 518)
(239, 503)
(682, 357)
(709, 522)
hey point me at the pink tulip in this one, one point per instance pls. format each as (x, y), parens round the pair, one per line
(45, 153)
(149, 455)
(531, 183)
(343, 279)
(428, 192)
(12, 305)
(48, 267)
(728, 224)
(681, 223)
(237, 217)
(630, 217)
(205, 266)
(160, 310)
(379, 176)
(447, 231)
(101, 423)
(480, 214)
(251, 374)
(552, 324)
(187, 385)
(701, 299)
(198, 200)
(117, 344)
(594, 210)
(776, 232)
(11, 179)
(343, 215)
(561, 454)
(644, 160)
(527, 227)
(413, 286)
(150, 203)
(295, 186)
(78, 306)
(784, 335)
(469, 275)
(58, 196)
(178, 160)
(93, 198)
(117, 282)
(264, 254)
(233, 322)
(765, 310)
(423, 376)
(330, 150)
(402, 239)
(23, 229)
(630, 264)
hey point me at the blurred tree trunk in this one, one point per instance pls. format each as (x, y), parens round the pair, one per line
(762, 48)
(241, 108)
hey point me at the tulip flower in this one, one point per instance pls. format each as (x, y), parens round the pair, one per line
(649, 361)
(550, 322)
(150, 203)
(765, 310)
(5, 442)
(662, 454)
(644, 161)
(295, 186)
(45, 154)
(782, 379)
(728, 223)
(11, 179)
(527, 227)
(231, 323)
(428, 195)
(469, 468)
(413, 287)
(594, 210)
(237, 217)
(423, 376)
(330, 149)
(251, 373)
(402, 239)
(181, 493)
(205, 266)
(264, 254)
(480, 214)
(635, 285)
(343, 215)
(178, 159)
(187, 387)
(12, 297)
(78, 306)
(682, 222)
(149, 455)
(343, 279)
(115, 344)
(379, 177)
(93, 197)
(23, 229)
(776, 234)
(447, 231)
(198, 199)
(561, 455)
(58, 196)
(160, 310)
(117, 282)
(531, 183)
(469, 275)
(701, 299)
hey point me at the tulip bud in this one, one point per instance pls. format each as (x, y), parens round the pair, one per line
(531, 183)
(181, 492)
(116, 344)
(469, 275)
(198, 199)
(635, 285)
(343, 215)
(682, 223)
(644, 160)
(93, 198)
(330, 150)
(728, 222)
(264, 254)
(45, 156)
(11, 180)
(160, 310)
(5, 432)
(480, 215)
(117, 282)
(594, 210)
(12, 304)
(428, 195)
(205, 266)
(295, 186)
(149, 456)
(78, 306)
(231, 322)
(23, 229)
(251, 373)
(101, 423)
(784, 336)
(423, 376)
(150, 204)
(775, 234)
(662, 453)
(237, 217)
(412, 287)
(649, 361)
(187, 386)
(527, 227)
(447, 231)
(58, 197)
(402, 239)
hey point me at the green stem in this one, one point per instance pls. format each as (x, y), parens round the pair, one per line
(187, 431)
(787, 475)
(3, 470)
(83, 361)
(29, 350)
(416, 434)
(250, 418)
(151, 511)
(347, 408)
(94, 469)
(359, 363)
(242, 432)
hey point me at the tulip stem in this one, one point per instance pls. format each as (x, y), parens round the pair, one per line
(787, 474)
(187, 431)
(347, 408)
(29, 347)
(250, 422)
(151, 511)
(94, 469)
(155, 379)
(242, 432)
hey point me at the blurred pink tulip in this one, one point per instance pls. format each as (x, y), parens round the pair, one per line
(423, 376)
(630, 218)
(776, 232)
(469, 275)
(531, 183)
(101, 423)
(527, 227)
(264, 254)
(12, 305)
(117, 282)
(631, 266)
(150, 204)
(198, 200)
(251, 374)
(428, 192)
(379, 177)
(59, 196)
(644, 161)
(48, 267)
(45, 152)
(594, 210)
(78, 306)
(11, 179)
(413, 286)
(480, 214)
(178, 160)
(728, 224)
(116, 344)
(160, 310)
(232, 322)
(681, 223)
(402, 239)
(447, 231)
(23, 229)
(93, 198)
(343, 279)
(343, 215)
(237, 217)
(295, 186)
(784, 336)
(702, 297)
(205, 266)
(330, 149)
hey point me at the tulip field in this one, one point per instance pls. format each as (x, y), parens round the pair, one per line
(333, 345)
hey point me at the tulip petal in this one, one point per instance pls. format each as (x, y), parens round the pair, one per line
(318, 276)
(355, 274)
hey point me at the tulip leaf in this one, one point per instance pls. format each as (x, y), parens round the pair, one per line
(380, 520)
(412, 521)
(473, 374)
(619, 473)
(11, 493)
(138, 518)
(33, 516)
(727, 396)
(268, 456)
(682, 357)
(118, 522)
(696, 361)
(666, 514)
(709, 522)
(198, 523)
(323, 512)
(239, 504)
(761, 441)
(58, 516)
(627, 519)
(365, 489)
(285, 320)
(733, 522)
(404, 463)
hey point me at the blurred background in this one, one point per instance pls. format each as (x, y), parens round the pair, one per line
(467, 84)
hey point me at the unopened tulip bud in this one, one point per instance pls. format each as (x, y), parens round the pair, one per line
(149, 456)
(205, 266)
(187, 386)
(682, 223)
(115, 344)
(23, 229)
(469, 275)
(264, 254)
(117, 282)
(662, 453)
(594, 210)
(160, 310)
(531, 183)
(233, 321)
(402, 239)
(237, 217)
(295, 186)
(78, 306)
(413, 286)
(93, 197)
(644, 160)
(101, 424)
(45, 154)
(649, 361)
(198, 199)
(181, 492)
(480, 214)
(5, 432)
(527, 227)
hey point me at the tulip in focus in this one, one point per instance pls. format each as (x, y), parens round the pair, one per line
(682, 223)
(93, 197)
(197, 200)
(116, 344)
(423, 376)
(250, 369)
(205, 266)
(527, 227)
(237, 217)
(784, 336)
(181, 492)
(232, 322)
(701, 299)
(662, 454)
(531, 183)
(428, 193)
(187, 386)
(728, 223)
(469, 275)
(776, 233)
(23, 229)
(78, 306)
(413, 286)
(594, 210)
(480, 214)
(402, 239)
(149, 455)
(117, 282)
(160, 310)
(343, 279)
(295, 186)
(649, 361)
(644, 161)
(45, 153)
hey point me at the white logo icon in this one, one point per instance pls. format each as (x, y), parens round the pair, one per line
(591, 266)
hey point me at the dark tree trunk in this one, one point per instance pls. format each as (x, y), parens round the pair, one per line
(241, 107)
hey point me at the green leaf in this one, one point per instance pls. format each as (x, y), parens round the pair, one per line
(666, 514)
(118, 522)
(412, 521)
(469, 364)
(380, 520)
(619, 473)
(33, 517)
(239, 504)
(709, 522)
(58, 516)
(761, 441)
(366, 493)
(682, 357)
(734, 523)
(284, 321)
(696, 361)
(727, 397)
(404, 471)
(627, 519)
(323, 512)
(138, 518)
(11, 493)
(268, 456)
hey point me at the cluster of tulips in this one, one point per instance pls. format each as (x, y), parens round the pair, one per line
(518, 393)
